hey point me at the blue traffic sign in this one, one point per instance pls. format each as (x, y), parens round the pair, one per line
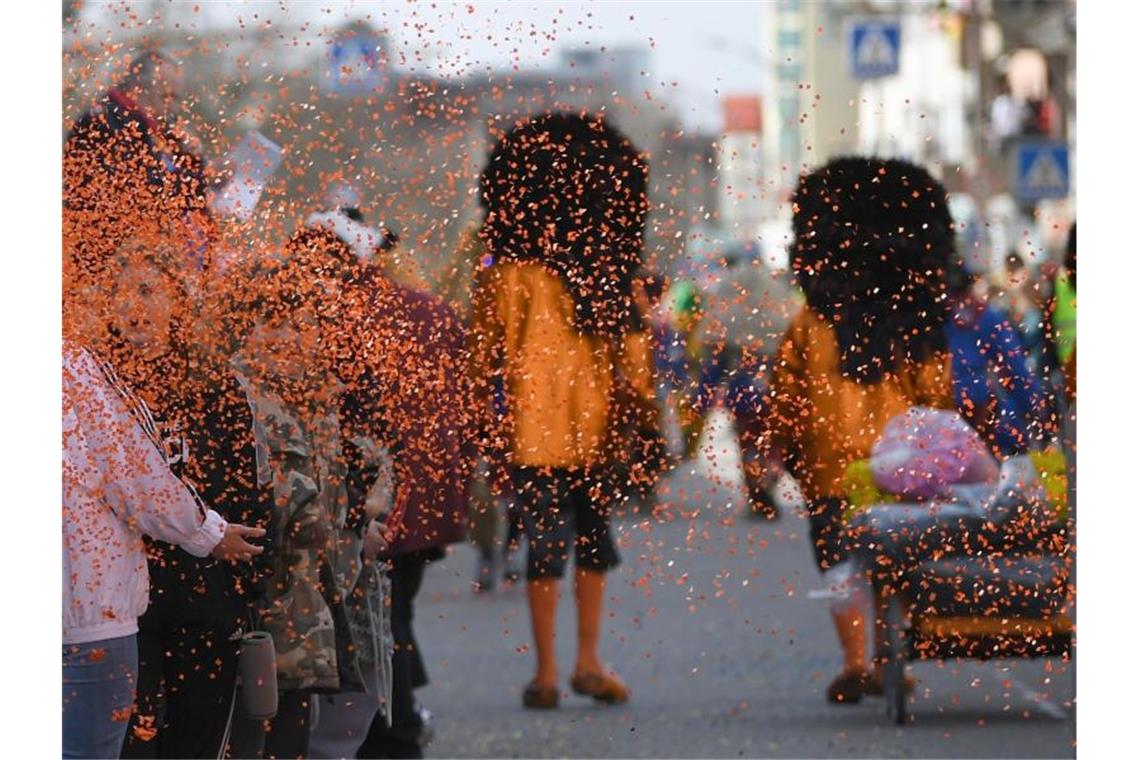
(873, 46)
(355, 65)
(1042, 170)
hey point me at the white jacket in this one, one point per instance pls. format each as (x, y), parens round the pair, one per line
(116, 487)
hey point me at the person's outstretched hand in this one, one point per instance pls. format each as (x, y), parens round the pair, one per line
(374, 540)
(233, 545)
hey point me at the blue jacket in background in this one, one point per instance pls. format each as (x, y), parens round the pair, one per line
(990, 365)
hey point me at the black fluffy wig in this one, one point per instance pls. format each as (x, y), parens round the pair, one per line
(569, 191)
(873, 242)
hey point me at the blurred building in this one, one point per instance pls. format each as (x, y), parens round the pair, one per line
(741, 167)
(944, 108)
(413, 144)
(813, 111)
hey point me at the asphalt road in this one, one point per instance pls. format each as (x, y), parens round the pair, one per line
(710, 623)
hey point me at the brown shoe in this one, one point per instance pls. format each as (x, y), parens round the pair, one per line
(537, 697)
(604, 687)
(848, 687)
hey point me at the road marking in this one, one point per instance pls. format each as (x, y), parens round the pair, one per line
(1046, 705)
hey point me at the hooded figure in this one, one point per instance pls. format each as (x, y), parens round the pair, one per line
(873, 241)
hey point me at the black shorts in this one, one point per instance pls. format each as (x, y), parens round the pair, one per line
(828, 532)
(562, 509)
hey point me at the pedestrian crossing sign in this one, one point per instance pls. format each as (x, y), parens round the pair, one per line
(1042, 170)
(873, 46)
(356, 64)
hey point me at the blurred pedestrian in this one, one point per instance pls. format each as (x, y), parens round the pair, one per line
(994, 387)
(1007, 117)
(641, 428)
(1024, 307)
(1060, 318)
(872, 239)
(746, 314)
(554, 317)
(492, 501)
(1064, 312)
(685, 353)
(127, 164)
(1066, 318)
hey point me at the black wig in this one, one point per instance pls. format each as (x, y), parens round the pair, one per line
(873, 242)
(569, 191)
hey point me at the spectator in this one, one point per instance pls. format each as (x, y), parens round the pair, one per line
(1065, 303)
(117, 486)
(297, 428)
(188, 639)
(1067, 318)
(490, 496)
(1024, 313)
(126, 165)
(399, 353)
(685, 354)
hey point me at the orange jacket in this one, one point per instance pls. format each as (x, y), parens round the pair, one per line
(559, 383)
(822, 421)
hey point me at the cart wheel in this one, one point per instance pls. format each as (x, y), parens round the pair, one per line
(894, 669)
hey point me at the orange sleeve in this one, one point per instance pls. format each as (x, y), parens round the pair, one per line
(788, 392)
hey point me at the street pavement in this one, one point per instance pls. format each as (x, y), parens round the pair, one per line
(710, 622)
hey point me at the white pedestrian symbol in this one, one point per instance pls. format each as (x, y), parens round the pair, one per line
(1044, 174)
(875, 50)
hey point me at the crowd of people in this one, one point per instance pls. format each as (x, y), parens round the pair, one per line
(282, 446)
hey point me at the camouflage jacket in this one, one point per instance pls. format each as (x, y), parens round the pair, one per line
(318, 562)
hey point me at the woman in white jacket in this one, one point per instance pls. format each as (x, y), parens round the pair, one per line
(116, 487)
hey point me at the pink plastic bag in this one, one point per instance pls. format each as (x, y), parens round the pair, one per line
(924, 452)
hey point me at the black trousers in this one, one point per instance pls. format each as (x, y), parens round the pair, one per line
(828, 532)
(286, 735)
(185, 694)
(401, 740)
(561, 517)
